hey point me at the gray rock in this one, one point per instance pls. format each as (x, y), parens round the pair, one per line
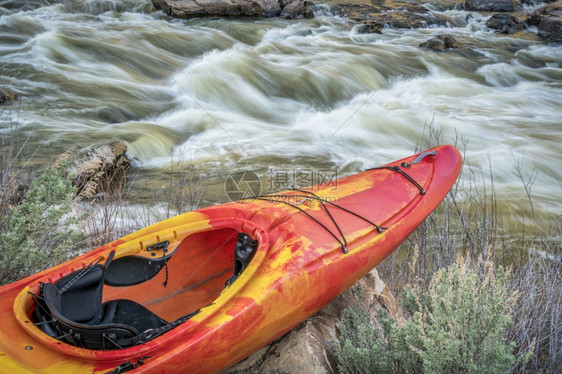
(505, 23)
(548, 20)
(370, 27)
(306, 349)
(441, 42)
(403, 20)
(490, 5)
(233, 8)
(550, 28)
(296, 9)
(374, 17)
(98, 170)
(7, 96)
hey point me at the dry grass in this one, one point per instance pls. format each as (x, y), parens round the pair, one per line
(128, 209)
(468, 222)
(13, 178)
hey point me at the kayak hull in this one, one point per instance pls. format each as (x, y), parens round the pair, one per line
(311, 249)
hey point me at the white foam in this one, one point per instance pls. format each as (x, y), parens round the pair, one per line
(285, 91)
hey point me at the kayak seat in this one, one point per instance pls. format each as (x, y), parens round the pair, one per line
(130, 313)
(78, 316)
(81, 295)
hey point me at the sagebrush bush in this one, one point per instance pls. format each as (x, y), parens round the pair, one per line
(39, 232)
(471, 219)
(457, 326)
(359, 349)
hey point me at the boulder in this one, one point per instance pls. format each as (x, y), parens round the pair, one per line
(505, 23)
(550, 29)
(295, 9)
(441, 42)
(374, 17)
(490, 5)
(233, 8)
(544, 12)
(406, 20)
(7, 96)
(548, 20)
(306, 349)
(370, 27)
(98, 170)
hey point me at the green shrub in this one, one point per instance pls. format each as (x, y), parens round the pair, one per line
(457, 326)
(39, 232)
(359, 349)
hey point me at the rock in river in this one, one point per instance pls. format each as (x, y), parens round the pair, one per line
(234, 8)
(490, 5)
(386, 13)
(505, 23)
(7, 96)
(548, 19)
(441, 42)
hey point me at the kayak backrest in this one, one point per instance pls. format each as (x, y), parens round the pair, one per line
(79, 295)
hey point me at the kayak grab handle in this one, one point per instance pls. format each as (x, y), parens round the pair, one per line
(421, 156)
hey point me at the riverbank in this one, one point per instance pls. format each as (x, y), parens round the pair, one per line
(293, 100)
(375, 15)
(492, 89)
(466, 223)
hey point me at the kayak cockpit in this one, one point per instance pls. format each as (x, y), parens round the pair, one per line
(71, 310)
(139, 296)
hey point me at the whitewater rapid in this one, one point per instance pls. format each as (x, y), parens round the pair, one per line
(283, 95)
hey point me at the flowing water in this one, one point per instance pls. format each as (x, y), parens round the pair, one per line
(282, 97)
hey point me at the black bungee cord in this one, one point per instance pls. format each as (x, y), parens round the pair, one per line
(278, 198)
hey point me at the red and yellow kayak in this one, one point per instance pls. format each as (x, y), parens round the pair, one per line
(201, 291)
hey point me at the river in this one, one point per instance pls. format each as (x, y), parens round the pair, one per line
(283, 97)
